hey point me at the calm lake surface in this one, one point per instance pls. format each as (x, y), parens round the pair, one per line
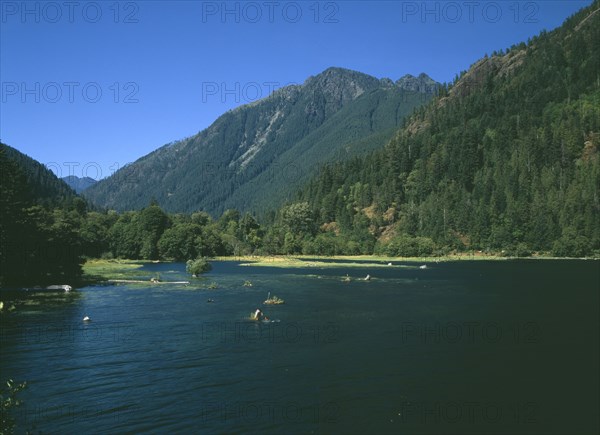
(461, 347)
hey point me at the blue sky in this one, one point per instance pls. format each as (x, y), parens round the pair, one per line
(87, 87)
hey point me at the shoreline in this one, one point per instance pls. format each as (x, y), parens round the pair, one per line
(314, 261)
(101, 271)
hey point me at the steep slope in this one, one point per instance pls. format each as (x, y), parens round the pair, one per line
(44, 187)
(506, 158)
(38, 230)
(79, 184)
(258, 154)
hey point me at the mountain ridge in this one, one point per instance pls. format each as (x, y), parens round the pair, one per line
(249, 151)
(507, 158)
(46, 188)
(79, 184)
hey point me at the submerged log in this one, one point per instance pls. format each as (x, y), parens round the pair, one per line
(134, 281)
(64, 287)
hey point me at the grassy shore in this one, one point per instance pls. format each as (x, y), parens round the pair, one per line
(103, 270)
(357, 261)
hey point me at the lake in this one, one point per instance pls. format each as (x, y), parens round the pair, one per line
(459, 347)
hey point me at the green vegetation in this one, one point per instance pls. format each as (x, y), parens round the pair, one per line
(44, 188)
(101, 270)
(505, 160)
(8, 403)
(78, 184)
(198, 266)
(367, 262)
(256, 156)
(39, 239)
(406, 246)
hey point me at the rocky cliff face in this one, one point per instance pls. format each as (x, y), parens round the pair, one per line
(423, 83)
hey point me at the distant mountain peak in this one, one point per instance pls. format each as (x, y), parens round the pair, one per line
(79, 184)
(339, 72)
(423, 83)
(255, 155)
(341, 84)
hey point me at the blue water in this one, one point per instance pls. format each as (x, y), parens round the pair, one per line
(463, 347)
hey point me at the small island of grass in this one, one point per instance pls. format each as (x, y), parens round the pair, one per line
(349, 261)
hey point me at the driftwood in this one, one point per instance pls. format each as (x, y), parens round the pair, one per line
(133, 281)
(64, 287)
(273, 300)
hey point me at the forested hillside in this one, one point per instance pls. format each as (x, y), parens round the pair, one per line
(259, 154)
(78, 184)
(39, 223)
(45, 187)
(505, 159)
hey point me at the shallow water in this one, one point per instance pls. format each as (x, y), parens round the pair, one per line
(463, 347)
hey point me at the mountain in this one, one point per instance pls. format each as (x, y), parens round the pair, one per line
(422, 83)
(506, 158)
(44, 187)
(79, 184)
(39, 239)
(258, 155)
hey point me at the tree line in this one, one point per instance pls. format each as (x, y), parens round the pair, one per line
(506, 161)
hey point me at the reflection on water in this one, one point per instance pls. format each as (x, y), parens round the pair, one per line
(466, 347)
